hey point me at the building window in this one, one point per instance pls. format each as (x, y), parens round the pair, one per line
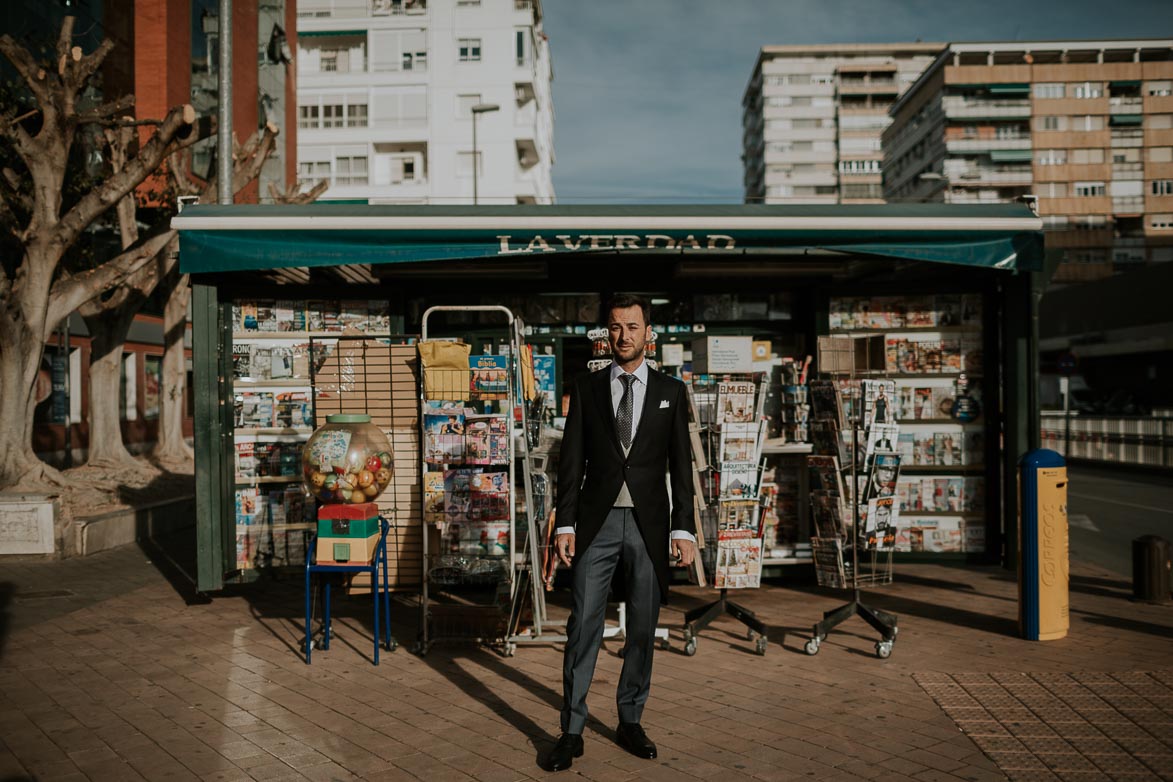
(329, 60)
(1049, 90)
(333, 116)
(1162, 187)
(469, 49)
(1054, 222)
(307, 116)
(1158, 121)
(522, 46)
(350, 170)
(1162, 221)
(1050, 123)
(1089, 189)
(356, 115)
(1088, 89)
(1087, 122)
(310, 172)
(1051, 157)
(1126, 156)
(1087, 156)
(1159, 89)
(1089, 223)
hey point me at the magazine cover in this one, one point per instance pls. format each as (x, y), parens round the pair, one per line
(878, 401)
(246, 464)
(489, 496)
(739, 563)
(489, 376)
(948, 309)
(248, 315)
(254, 409)
(444, 437)
(885, 473)
(456, 494)
(824, 402)
(973, 536)
(739, 480)
(266, 316)
(283, 310)
(434, 501)
(827, 512)
(824, 474)
(882, 438)
(293, 409)
(241, 359)
(908, 494)
(280, 362)
(260, 361)
(741, 442)
(735, 402)
(881, 523)
(737, 516)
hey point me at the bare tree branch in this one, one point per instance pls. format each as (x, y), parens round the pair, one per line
(105, 111)
(10, 191)
(32, 73)
(69, 293)
(292, 194)
(101, 198)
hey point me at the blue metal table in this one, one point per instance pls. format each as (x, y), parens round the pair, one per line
(311, 567)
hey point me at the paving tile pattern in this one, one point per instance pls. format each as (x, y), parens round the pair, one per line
(129, 681)
(1069, 726)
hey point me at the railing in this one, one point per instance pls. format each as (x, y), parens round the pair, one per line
(1135, 440)
(957, 106)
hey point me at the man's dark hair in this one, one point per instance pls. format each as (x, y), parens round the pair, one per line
(621, 301)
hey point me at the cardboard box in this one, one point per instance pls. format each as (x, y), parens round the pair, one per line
(722, 354)
(346, 551)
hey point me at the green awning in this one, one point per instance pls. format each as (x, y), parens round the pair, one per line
(1125, 119)
(329, 33)
(220, 239)
(1010, 155)
(1125, 83)
(1010, 89)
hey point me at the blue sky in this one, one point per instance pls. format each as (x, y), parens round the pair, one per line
(647, 93)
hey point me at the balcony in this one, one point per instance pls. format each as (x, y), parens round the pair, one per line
(986, 144)
(1126, 205)
(972, 176)
(960, 107)
(358, 9)
(1125, 105)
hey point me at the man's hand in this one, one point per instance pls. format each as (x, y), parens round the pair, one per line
(564, 545)
(684, 551)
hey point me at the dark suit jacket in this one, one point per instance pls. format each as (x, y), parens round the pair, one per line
(592, 468)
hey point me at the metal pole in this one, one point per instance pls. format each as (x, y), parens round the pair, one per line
(224, 128)
(474, 158)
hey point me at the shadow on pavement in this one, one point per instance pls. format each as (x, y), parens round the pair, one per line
(1131, 625)
(7, 591)
(173, 555)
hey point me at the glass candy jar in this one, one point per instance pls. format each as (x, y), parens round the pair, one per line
(347, 460)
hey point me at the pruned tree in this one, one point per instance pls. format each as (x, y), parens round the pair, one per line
(35, 292)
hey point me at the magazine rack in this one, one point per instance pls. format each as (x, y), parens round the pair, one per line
(472, 566)
(832, 567)
(705, 404)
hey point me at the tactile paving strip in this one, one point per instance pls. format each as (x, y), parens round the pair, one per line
(1071, 726)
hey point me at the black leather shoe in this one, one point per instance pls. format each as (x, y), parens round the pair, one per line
(632, 738)
(562, 757)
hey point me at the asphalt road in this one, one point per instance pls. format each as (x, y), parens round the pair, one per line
(1108, 509)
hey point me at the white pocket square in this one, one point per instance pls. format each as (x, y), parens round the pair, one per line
(663, 403)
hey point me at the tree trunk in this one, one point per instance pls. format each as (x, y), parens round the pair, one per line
(170, 447)
(21, 351)
(108, 332)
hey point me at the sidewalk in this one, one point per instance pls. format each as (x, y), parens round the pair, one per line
(123, 680)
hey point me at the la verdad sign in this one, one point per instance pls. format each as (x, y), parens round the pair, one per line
(565, 242)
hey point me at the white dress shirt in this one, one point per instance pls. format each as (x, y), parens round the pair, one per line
(639, 391)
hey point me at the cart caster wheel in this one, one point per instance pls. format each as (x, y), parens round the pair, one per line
(307, 645)
(760, 646)
(884, 649)
(391, 646)
(750, 635)
(419, 648)
(665, 645)
(510, 650)
(690, 647)
(812, 646)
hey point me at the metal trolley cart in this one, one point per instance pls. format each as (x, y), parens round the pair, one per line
(471, 452)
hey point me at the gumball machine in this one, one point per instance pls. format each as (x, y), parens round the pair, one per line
(346, 465)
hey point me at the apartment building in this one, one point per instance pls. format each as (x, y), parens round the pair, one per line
(813, 115)
(1086, 126)
(386, 95)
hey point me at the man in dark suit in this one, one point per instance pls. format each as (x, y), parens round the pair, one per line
(626, 427)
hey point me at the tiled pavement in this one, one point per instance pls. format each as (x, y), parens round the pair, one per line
(124, 680)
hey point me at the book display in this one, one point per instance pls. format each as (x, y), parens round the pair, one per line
(933, 359)
(277, 345)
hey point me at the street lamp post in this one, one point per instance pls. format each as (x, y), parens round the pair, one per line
(480, 108)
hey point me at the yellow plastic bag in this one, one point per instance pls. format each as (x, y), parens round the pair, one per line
(445, 369)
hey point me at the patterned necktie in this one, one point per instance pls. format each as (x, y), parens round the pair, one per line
(623, 414)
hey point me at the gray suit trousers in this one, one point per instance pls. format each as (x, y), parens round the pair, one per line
(618, 541)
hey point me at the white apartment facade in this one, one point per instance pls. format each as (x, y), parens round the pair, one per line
(385, 91)
(813, 115)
